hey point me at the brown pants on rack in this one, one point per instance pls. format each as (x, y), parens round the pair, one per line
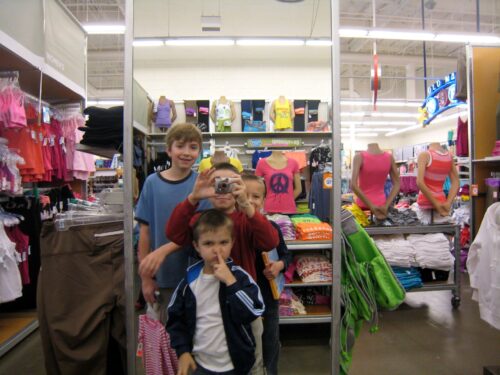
(81, 298)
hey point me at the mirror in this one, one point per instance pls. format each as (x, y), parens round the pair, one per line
(232, 69)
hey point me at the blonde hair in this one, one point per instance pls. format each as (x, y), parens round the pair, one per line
(184, 133)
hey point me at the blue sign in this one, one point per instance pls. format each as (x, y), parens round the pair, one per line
(441, 97)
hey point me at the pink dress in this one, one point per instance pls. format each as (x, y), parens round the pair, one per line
(372, 175)
(279, 184)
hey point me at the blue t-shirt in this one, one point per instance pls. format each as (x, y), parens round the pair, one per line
(158, 199)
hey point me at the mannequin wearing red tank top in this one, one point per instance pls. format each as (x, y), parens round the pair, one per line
(369, 173)
(433, 166)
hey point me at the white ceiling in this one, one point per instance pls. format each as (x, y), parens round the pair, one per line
(309, 18)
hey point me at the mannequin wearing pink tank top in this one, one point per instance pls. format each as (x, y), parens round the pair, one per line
(369, 173)
(433, 166)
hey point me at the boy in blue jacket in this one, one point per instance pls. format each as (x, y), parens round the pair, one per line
(211, 310)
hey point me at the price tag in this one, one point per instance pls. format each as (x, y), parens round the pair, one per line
(474, 190)
(327, 180)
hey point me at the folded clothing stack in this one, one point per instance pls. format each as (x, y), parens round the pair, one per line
(104, 127)
(314, 231)
(314, 268)
(432, 251)
(303, 208)
(399, 217)
(290, 304)
(408, 277)
(285, 224)
(304, 218)
(396, 250)
(428, 216)
(358, 214)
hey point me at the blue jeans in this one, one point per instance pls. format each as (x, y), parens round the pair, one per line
(271, 337)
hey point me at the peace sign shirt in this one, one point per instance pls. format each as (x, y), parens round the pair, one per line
(279, 184)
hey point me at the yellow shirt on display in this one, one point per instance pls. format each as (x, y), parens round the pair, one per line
(207, 163)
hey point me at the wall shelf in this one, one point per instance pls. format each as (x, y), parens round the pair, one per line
(107, 153)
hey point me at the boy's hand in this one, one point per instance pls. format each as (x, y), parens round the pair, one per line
(203, 187)
(240, 195)
(186, 364)
(273, 269)
(148, 289)
(150, 265)
(222, 272)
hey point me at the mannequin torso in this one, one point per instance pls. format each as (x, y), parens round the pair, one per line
(434, 165)
(282, 113)
(369, 174)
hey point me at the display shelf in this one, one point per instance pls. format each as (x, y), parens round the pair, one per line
(426, 229)
(315, 314)
(15, 329)
(301, 284)
(433, 287)
(107, 153)
(490, 159)
(410, 229)
(309, 245)
(259, 134)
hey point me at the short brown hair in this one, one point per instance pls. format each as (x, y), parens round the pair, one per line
(184, 133)
(226, 167)
(247, 176)
(211, 220)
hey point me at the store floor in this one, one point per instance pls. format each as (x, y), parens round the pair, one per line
(424, 336)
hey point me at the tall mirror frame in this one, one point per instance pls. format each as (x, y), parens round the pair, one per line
(130, 275)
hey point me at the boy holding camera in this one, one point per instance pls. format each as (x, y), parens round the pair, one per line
(213, 306)
(224, 188)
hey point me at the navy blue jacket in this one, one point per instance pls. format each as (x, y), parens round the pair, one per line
(241, 303)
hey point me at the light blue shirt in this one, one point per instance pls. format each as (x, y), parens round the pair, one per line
(158, 199)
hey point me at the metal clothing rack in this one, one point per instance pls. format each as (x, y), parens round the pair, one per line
(426, 229)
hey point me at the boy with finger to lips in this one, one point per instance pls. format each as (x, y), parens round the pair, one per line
(210, 315)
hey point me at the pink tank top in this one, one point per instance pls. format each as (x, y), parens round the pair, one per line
(372, 175)
(435, 174)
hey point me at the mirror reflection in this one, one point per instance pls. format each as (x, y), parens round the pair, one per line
(236, 115)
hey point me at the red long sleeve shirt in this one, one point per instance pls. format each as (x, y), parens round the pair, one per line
(249, 234)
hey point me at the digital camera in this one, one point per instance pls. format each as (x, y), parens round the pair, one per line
(224, 185)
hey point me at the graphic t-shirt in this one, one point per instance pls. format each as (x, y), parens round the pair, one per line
(279, 183)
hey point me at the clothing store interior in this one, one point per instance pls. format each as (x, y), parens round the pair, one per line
(358, 146)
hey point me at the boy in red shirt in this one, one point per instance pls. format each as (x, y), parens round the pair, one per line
(252, 230)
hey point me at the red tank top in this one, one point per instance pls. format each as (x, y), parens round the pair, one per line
(372, 175)
(435, 174)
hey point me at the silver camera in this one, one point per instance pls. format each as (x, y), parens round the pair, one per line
(224, 185)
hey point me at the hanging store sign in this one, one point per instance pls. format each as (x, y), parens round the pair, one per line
(440, 98)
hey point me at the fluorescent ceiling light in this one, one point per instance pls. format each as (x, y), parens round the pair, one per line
(441, 118)
(106, 102)
(353, 33)
(199, 42)
(369, 123)
(318, 42)
(104, 29)
(270, 42)
(467, 38)
(400, 34)
(382, 103)
(379, 114)
(148, 43)
(358, 130)
(403, 130)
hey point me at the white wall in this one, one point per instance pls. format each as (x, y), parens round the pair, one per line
(235, 79)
